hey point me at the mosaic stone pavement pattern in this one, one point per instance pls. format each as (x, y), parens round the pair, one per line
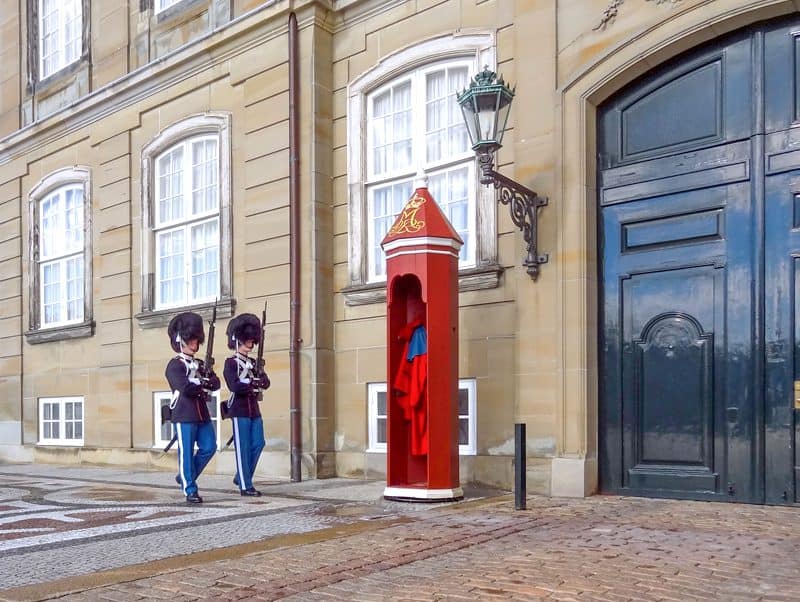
(57, 523)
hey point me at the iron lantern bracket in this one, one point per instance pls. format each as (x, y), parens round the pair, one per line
(523, 203)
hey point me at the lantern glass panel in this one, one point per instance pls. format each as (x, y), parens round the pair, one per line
(502, 119)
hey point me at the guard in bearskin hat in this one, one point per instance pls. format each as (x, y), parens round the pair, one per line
(191, 384)
(246, 379)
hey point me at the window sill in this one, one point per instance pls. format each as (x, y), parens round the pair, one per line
(60, 79)
(159, 318)
(52, 444)
(60, 333)
(470, 279)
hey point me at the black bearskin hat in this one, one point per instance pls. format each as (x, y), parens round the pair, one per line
(185, 326)
(244, 327)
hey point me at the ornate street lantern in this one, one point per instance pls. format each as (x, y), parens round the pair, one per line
(485, 105)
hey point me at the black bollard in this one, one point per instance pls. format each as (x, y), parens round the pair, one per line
(520, 488)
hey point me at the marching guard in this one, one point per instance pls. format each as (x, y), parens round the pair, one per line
(245, 379)
(191, 382)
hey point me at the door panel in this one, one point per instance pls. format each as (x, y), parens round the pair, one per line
(782, 264)
(689, 104)
(782, 274)
(672, 311)
(680, 412)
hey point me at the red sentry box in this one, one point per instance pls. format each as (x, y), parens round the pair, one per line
(422, 286)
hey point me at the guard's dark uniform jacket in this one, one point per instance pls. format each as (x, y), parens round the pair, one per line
(240, 378)
(188, 396)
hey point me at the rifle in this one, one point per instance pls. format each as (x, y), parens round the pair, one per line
(260, 372)
(208, 362)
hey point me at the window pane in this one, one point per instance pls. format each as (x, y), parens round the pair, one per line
(381, 403)
(51, 293)
(68, 411)
(204, 176)
(212, 407)
(205, 260)
(390, 129)
(401, 130)
(56, 432)
(463, 402)
(463, 431)
(49, 35)
(387, 202)
(381, 434)
(74, 288)
(47, 411)
(380, 131)
(79, 430)
(446, 134)
(72, 30)
(457, 138)
(435, 115)
(451, 191)
(73, 220)
(47, 430)
(68, 430)
(170, 251)
(169, 185)
(50, 244)
(79, 411)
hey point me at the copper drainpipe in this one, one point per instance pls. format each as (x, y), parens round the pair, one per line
(296, 440)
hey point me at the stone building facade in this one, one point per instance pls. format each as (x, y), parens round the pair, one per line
(145, 168)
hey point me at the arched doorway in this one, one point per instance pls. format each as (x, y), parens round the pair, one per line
(699, 248)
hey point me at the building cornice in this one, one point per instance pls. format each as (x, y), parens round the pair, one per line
(203, 54)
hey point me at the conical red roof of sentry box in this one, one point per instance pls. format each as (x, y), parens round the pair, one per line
(421, 217)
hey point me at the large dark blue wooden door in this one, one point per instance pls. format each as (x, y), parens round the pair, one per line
(782, 265)
(699, 230)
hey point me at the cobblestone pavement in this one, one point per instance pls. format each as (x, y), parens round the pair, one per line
(599, 548)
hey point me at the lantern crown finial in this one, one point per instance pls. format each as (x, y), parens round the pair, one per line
(485, 79)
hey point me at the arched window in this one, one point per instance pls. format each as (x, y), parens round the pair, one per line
(186, 218)
(60, 251)
(402, 118)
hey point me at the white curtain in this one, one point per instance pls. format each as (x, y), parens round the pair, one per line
(61, 256)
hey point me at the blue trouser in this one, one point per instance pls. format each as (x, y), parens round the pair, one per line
(248, 436)
(191, 463)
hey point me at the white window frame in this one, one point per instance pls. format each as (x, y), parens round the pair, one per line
(68, 178)
(209, 125)
(165, 397)
(372, 423)
(477, 49)
(61, 440)
(59, 33)
(375, 446)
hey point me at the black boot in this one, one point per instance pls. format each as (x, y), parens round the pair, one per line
(194, 498)
(252, 492)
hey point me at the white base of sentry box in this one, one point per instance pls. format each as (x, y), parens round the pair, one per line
(413, 494)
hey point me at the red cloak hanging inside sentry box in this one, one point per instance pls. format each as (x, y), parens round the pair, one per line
(422, 353)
